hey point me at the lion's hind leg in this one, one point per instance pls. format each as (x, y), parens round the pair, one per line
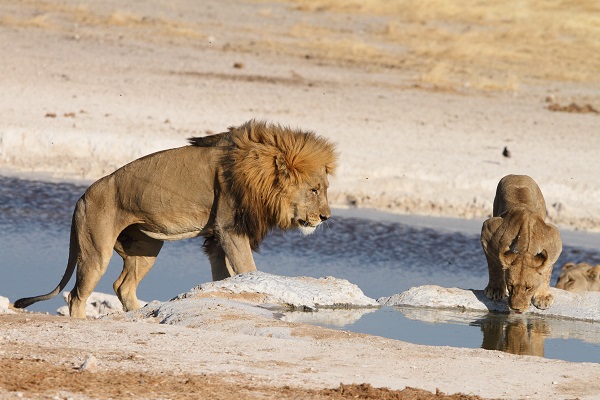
(91, 265)
(139, 253)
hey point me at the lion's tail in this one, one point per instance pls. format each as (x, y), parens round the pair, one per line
(73, 252)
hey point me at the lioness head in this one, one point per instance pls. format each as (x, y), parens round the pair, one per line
(579, 277)
(524, 273)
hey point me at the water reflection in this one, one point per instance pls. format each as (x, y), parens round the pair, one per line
(515, 335)
(522, 334)
(335, 318)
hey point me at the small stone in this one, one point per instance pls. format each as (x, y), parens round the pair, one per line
(90, 364)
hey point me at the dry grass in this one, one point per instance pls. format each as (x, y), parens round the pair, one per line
(78, 18)
(484, 44)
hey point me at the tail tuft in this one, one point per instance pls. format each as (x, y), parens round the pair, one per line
(25, 302)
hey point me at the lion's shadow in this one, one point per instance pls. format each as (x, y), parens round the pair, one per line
(491, 305)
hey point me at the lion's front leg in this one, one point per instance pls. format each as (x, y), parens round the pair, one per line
(219, 264)
(229, 254)
(496, 288)
(542, 298)
(238, 252)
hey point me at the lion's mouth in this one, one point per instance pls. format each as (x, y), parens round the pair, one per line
(306, 227)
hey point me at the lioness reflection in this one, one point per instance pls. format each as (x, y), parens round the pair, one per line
(523, 336)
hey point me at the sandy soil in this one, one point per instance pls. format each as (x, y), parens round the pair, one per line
(422, 101)
(133, 360)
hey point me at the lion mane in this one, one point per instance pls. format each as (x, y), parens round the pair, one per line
(262, 194)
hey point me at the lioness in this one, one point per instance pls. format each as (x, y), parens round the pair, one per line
(230, 188)
(580, 277)
(520, 247)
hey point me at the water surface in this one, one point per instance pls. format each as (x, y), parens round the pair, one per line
(383, 254)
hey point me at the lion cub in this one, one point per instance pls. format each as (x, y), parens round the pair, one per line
(581, 277)
(520, 247)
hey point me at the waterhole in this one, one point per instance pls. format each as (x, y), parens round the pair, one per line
(383, 254)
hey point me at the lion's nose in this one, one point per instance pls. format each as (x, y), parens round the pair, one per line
(323, 217)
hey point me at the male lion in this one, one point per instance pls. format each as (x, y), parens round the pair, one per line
(230, 188)
(580, 277)
(520, 247)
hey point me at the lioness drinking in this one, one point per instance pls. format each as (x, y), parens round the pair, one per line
(230, 188)
(520, 247)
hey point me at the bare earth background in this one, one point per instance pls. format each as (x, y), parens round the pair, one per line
(421, 98)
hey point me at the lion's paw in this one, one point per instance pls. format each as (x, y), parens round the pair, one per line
(543, 301)
(494, 293)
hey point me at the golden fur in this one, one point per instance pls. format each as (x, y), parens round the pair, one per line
(261, 195)
(520, 247)
(230, 188)
(580, 277)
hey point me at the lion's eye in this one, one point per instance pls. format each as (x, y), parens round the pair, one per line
(528, 288)
(314, 191)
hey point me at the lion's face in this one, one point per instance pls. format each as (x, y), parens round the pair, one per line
(579, 277)
(523, 274)
(308, 204)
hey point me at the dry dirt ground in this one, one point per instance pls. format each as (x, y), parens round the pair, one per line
(49, 371)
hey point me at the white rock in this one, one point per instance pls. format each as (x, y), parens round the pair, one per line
(4, 303)
(90, 364)
(582, 306)
(303, 293)
(329, 300)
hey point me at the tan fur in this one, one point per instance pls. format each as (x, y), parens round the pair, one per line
(580, 277)
(520, 247)
(230, 188)
(516, 336)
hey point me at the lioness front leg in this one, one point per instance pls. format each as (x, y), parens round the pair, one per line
(496, 288)
(542, 298)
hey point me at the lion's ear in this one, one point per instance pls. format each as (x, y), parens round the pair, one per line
(594, 272)
(567, 266)
(281, 166)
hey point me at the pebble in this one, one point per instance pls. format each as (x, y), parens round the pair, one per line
(90, 364)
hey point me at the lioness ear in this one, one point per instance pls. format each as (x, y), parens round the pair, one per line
(594, 272)
(567, 266)
(281, 166)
